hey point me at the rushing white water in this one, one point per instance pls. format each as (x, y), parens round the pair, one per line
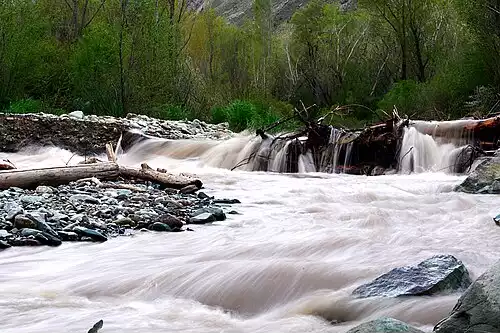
(423, 152)
(301, 245)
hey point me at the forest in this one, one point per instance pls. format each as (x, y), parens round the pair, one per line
(432, 59)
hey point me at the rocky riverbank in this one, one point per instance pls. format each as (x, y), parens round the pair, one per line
(88, 135)
(95, 211)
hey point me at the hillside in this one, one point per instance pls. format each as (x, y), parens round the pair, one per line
(236, 11)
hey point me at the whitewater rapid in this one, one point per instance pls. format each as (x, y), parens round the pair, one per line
(288, 263)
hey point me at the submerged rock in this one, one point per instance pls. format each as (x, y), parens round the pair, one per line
(478, 310)
(437, 274)
(384, 325)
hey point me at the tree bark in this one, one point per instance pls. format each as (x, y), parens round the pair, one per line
(108, 171)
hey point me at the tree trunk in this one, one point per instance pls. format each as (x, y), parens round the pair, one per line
(108, 171)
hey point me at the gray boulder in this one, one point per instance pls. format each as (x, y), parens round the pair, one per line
(484, 179)
(478, 310)
(437, 274)
(384, 325)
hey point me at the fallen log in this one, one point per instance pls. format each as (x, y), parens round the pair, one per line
(105, 171)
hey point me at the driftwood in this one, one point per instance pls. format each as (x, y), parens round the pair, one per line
(106, 171)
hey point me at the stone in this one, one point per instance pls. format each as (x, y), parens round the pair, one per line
(39, 219)
(437, 274)
(483, 177)
(84, 198)
(157, 226)
(31, 199)
(43, 237)
(94, 235)
(24, 242)
(384, 325)
(97, 326)
(377, 171)
(190, 189)
(123, 194)
(202, 218)
(12, 209)
(4, 234)
(203, 195)
(227, 201)
(172, 221)
(478, 309)
(76, 115)
(67, 236)
(4, 245)
(21, 221)
(44, 189)
(217, 213)
(125, 221)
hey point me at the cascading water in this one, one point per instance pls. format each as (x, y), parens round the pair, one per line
(445, 152)
(287, 263)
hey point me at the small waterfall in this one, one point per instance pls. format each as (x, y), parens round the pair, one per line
(336, 152)
(446, 150)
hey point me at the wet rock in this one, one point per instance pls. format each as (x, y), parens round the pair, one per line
(384, 325)
(21, 221)
(202, 218)
(84, 198)
(478, 310)
(483, 177)
(67, 236)
(4, 245)
(172, 221)
(48, 239)
(31, 199)
(4, 234)
(43, 237)
(227, 201)
(39, 219)
(6, 225)
(97, 326)
(157, 226)
(44, 189)
(437, 274)
(203, 195)
(92, 234)
(24, 242)
(217, 213)
(125, 221)
(12, 209)
(190, 189)
(377, 171)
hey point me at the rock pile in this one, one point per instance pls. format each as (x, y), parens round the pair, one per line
(81, 211)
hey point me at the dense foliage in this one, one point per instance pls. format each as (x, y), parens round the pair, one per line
(430, 58)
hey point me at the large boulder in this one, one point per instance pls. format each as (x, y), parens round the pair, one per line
(384, 325)
(478, 310)
(484, 179)
(437, 274)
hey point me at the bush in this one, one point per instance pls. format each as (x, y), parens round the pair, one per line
(406, 96)
(173, 112)
(27, 105)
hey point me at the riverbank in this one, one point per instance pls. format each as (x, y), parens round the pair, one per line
(94, 211)
(88, 134)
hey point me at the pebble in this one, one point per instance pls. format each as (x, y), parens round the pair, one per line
(84, 212)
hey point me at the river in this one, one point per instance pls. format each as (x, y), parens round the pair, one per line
(288, 263)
